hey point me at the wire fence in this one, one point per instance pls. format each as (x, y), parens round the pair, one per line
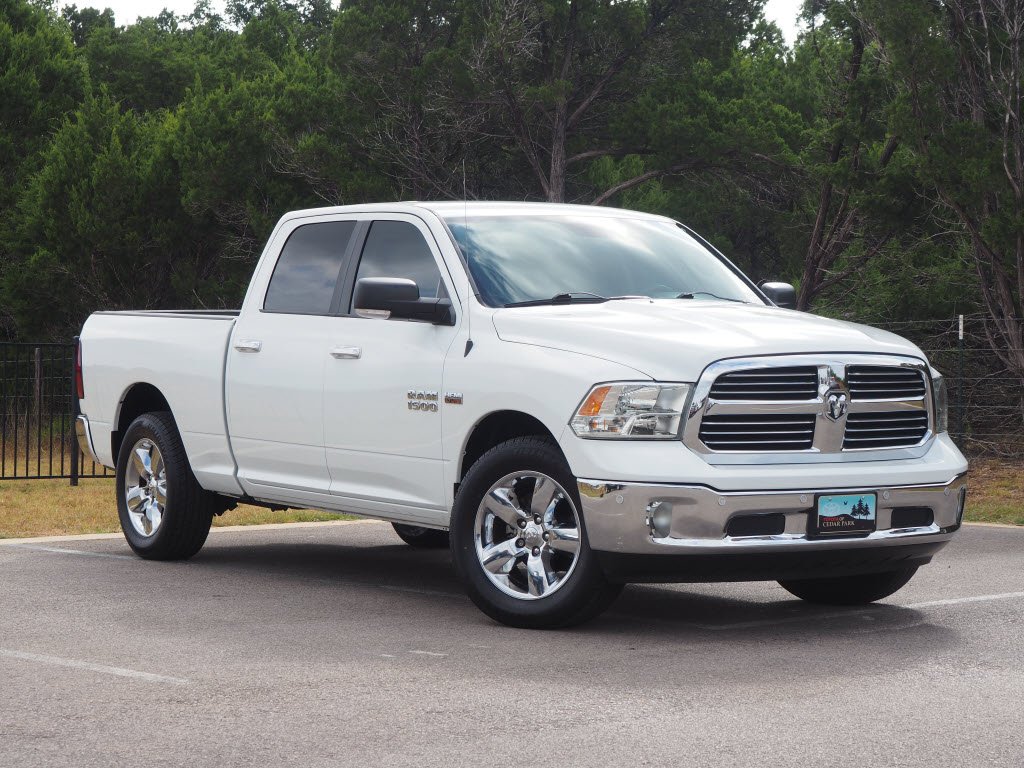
(38, 405)
(986, 398)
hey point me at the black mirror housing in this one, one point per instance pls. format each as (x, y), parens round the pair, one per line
(399, 298)
(781, 294)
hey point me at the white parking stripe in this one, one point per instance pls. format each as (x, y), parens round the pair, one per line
(971, 599)
(59, 661)
(866, 612)
(64, 551)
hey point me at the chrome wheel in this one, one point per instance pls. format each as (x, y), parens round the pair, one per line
(145, 487)
(527, 535)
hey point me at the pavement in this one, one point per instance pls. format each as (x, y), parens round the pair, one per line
(335, 644)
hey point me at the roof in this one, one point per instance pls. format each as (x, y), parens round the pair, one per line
(447, 208)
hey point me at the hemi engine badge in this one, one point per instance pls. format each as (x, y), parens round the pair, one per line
(453, 398)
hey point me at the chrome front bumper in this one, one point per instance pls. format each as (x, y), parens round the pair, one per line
(84, 435)
(635, 525)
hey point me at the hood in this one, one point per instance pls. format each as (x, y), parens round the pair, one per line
(674, 340)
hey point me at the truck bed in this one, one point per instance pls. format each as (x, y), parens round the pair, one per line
(181, 353)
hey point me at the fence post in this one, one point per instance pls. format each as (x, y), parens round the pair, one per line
(74, 413)
(960, 426)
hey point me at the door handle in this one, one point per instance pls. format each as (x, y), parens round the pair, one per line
(347, 353)
(249, 345)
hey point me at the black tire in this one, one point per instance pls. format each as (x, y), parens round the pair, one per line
(849, 590)
(188, 510)
(421, 538)
(584, 593)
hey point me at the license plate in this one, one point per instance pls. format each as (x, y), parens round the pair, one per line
(851, 514)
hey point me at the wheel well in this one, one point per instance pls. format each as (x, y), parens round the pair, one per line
(496, 428)
(139, 399)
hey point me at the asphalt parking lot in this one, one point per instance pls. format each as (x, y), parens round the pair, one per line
(338, 645)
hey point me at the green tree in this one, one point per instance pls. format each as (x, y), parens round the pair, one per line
(557, 76)
(957, 80)
(41, 81)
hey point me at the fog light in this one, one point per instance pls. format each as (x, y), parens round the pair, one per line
(961, 503)
(659, 519)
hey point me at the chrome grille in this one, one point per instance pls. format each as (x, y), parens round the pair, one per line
(890, 429)
(810, 408)
(795, 383)
(758, 432)
(879, 382)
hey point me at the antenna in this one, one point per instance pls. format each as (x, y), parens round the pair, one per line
(465, 223)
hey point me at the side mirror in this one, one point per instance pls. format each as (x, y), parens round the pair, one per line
(781, 294)
(399, 298)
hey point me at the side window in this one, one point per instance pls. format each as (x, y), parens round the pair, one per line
(308, 269)
(397, 249)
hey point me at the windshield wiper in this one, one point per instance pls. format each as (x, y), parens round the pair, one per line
(573, 297)
(695, 294)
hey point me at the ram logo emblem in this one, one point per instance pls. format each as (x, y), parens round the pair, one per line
(836, 406)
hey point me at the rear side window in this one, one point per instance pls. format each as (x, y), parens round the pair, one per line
(397, 249)
(308, 269)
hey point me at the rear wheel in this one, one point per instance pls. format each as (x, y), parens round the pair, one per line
(422, 538)
(519, 542)
(849, 590)
(165, 514)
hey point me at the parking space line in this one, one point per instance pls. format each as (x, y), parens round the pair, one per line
(969, 599)
(65, 551)
(60, 661)
(868, 612)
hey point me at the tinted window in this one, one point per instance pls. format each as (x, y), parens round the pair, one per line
(397, 249)
(307, 270)
(529, 258)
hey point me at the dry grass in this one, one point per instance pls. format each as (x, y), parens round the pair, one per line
(52, 507)
(995, 491)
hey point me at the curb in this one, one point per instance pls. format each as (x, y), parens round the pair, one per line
(223, 528)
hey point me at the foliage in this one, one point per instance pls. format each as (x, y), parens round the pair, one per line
(877, 162)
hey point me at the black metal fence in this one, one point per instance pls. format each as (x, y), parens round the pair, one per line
(38, 404)
(37, 414)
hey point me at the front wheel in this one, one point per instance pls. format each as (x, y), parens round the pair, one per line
(165, 514)
(519, 543)
(849, 590)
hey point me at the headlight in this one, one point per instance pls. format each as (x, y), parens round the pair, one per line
(941, 395)
(638, 411)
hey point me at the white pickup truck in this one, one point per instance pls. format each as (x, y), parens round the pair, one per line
(575, 397)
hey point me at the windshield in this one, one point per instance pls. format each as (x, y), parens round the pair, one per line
(523, 258)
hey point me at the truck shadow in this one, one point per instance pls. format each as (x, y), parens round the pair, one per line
(722, 613)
